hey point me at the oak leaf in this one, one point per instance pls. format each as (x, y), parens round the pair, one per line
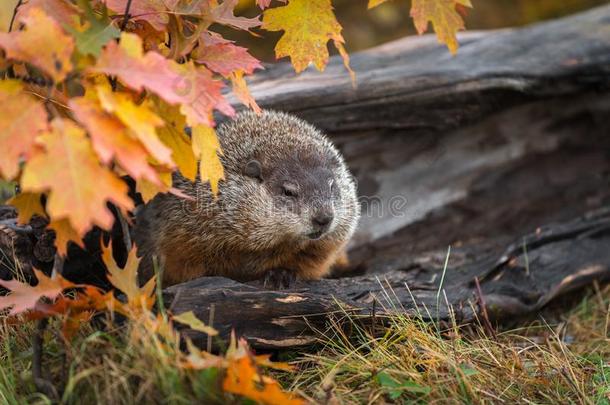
(111, 139)
(79, 187)
(207, 149)
(43, 44)
(22, 119)
(444, 17)
(23, 296)
(305, 38)
(189, 319)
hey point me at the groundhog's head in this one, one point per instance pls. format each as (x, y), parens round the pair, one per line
(285, 181)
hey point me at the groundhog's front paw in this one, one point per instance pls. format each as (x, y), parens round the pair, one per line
(279, 279)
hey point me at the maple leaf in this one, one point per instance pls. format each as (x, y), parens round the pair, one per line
(152, 11)
(223, 57)
(173, 136)
(22, 119)
(95, 33)
(43, 44)
(207, 149)
(111, 139)
(444, 17)
(64, 234)
(192, 87)
(78, 185)
(263, 4)
(62, 11)
(126, 279)
(148, 189)
(240, 89)
(28, 205)
(23, 296)
(304, 39)
(139, 119)
(7, 7)
(223, 14)
(189, 319)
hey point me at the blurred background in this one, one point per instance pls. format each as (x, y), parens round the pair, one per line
(364, 28)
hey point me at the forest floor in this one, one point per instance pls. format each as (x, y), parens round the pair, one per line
(563, 359)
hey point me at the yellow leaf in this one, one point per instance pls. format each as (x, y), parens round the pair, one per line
(140, 119)
(79, 187)
(28, 205)
(7, 8)
(126, 279)
(64, 234)
(375, 3)
(308, 25)
(240, 88)
(189, 318)
(207, 149)
(149, 190)
(444, 17)
(173, 136)
(43, 44)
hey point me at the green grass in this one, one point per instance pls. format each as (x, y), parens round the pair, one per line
(563, 361)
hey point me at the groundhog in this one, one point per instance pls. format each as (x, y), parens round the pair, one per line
(285, 210)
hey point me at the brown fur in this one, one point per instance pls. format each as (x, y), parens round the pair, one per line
(251, 228)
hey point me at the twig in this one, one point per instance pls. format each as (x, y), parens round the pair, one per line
(124, 231)
(483, 308)
(126, 15)
(42, 384)
(10, 27)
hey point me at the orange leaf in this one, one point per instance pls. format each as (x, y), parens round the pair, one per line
(240, 89)
(151, 11)
(22, 118)
(62, 11)
(192, 87)
(64, 233)
(111, 139)
(444, 17)
(304, 39)
(242, 378)
(43, 44)
(24, 296)
(28, 205)
(78, 185)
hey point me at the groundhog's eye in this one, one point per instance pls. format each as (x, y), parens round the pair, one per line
(290, 190)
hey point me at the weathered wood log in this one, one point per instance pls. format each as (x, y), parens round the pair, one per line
(472, 151)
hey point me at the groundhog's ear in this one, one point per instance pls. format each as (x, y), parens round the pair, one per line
(253, 169)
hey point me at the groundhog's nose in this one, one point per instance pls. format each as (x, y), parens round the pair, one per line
(322, 219)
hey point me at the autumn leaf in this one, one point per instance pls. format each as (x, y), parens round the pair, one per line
(308, 25)
(375, 3)
(28, 205)
(62, 11)
(7, 7)
(444, 17)
(95, 33)
(148, 190)
(240, 89)
(224, 14)
(173, 136)
(111, 139)
(79, 187)
(191, 86)
(152, 11)
(43, 44)
(22, 119)
(139, 119)
(189, 319)
(263, 4)
(64, 234)
(207, 149)
(223, 57)
(126, 279)
(24, 296)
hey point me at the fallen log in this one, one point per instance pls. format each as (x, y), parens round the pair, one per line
(506, 139)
